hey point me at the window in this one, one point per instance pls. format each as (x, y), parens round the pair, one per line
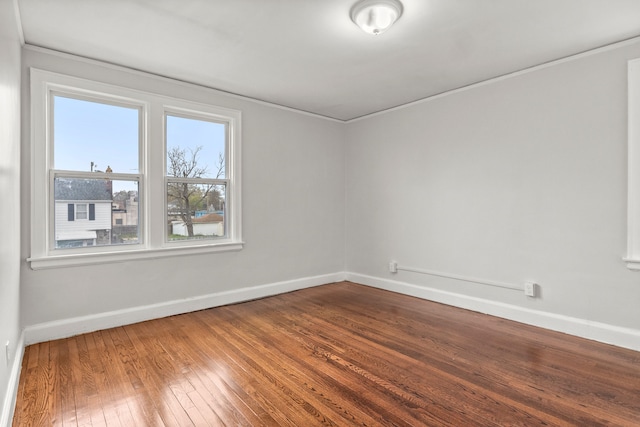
(81, 211)
(632, 258)
(195, 176)
(119, 173)
(94, 143)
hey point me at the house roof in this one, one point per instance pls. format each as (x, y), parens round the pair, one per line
(82, 189)
(212, 217)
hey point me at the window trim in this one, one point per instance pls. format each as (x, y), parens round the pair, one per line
(632, 258)
(152, 198)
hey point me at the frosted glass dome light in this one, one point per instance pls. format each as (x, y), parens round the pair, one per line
(376, 16)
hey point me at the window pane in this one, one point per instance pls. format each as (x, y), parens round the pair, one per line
(81, 211)
(195, 211)
(91, 136)
(90, 212)
(195, 148)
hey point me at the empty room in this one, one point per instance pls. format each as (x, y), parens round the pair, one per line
(305, 213)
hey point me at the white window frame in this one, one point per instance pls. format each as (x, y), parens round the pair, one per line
(151, 174)
(209, 116)
(85, 212)
(632, 258)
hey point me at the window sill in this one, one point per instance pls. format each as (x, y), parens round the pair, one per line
(74, 260)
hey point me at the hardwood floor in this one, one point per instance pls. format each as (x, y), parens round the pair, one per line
(336, 355)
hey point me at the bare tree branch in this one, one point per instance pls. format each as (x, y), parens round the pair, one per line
(183, 163)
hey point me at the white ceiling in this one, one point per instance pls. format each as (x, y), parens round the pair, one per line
(308, 55)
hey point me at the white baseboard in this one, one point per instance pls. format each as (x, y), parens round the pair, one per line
(602, 332)
(79, 325)
(610, 334)
(9, 404)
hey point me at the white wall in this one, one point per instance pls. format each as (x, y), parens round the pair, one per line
(292, 180)
(522, 178)
(10, 197)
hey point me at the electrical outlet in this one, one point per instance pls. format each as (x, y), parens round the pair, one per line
(530, 289)
(393, 267)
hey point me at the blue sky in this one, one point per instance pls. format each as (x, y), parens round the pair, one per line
(107, 135)
(190, 134)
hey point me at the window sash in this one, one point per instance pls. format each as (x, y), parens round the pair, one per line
(89, 209)
(197, 181)
(204, 117)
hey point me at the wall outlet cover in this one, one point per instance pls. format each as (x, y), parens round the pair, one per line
(393, 267)
(530, 289)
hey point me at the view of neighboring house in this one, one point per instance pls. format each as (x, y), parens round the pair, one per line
(125, 212)
(211, 224)
(88, 214)
(124, 221)
(82, 212)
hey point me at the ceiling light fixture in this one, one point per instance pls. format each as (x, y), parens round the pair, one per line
(376, 16)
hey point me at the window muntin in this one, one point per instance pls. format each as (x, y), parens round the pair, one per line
(144, 190)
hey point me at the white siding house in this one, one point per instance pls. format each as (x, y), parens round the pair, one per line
(208, 225)
(82, 212)
(70, 227)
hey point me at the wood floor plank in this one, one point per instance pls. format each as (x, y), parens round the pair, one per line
(401, 382)
(105, 388)
(170, 371)
(64, 389)
(138, 398)
(111, 383)
(474, 333)
(305, 350)
(409, 391)
(89, 412)
(380, 366)
(293, 367)
(235, 387)
(455, 386)
(54, 374)
(292, 409)
(210, 380)
(22, 413)
(36, 390)
(335, 355)
(151, 379)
